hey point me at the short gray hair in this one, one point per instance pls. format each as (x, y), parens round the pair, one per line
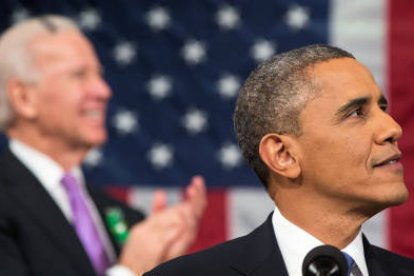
(16, 59)
(273, 96)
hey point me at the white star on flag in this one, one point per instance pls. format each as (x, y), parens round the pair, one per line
(160, 156)
(228, 86)
(262, 50)
(125, 122)
(297, 17)
(89, 19)
(229, 156)
(227, 17)
(158, 18)
(124, 52)
(159, 87)
(194, 52)
(93, 158)
(195, 121)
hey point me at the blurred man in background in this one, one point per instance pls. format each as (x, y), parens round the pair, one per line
(313, 125)
(53, 103)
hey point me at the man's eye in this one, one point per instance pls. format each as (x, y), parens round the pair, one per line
(356, 113)
(79, 74)
(384, 107)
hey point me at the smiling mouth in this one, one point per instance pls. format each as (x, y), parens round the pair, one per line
(389, 161)
(94, 114)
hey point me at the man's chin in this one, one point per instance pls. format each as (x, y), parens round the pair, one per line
(394, 199)
(401, 198)
(98, 139)
(372, 207)
(91, 144)
(401, 194)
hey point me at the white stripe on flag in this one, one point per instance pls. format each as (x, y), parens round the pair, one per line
(248, 208)
(141, 197)
(375, 229)
(360, 27)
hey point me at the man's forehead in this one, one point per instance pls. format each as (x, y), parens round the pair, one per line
(68, 48)
(339, 85)
(65, 41)
(342, 75)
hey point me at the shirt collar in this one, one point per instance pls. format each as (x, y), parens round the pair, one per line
(295, 243)
(46, 170)
(356, 250)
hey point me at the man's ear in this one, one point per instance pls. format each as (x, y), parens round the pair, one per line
(23, 100)
(281, 154)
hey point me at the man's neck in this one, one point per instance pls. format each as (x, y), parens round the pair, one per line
(323, 220)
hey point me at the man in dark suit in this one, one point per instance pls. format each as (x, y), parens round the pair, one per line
(313, 125)
(53, 106)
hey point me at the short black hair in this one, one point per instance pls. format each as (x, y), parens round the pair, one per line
(272, 97)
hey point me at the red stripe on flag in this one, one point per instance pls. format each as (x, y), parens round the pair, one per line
(401, 84)
(213, 227)
(118, 193)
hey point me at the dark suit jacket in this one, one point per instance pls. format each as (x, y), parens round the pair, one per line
(35, 237)
(258, 254)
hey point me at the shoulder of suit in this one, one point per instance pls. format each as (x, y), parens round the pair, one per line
(210, 261)
(393, 258)
(213, 260)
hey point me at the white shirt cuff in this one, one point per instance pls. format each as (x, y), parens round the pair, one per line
(119, 270)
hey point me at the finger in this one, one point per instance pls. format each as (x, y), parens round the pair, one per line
(196, 194)
(196, 189)
(185, 239)
(177, 222)
(159, 201)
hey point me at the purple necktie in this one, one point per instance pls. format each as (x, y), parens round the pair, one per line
(84, 225)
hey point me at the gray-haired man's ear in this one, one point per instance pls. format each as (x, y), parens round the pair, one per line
(23, 100)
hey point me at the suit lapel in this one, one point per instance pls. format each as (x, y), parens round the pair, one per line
(378, 265)
(260, 255)
(30, 194)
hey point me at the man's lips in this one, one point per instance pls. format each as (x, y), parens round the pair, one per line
(94, 113)
(393, 159)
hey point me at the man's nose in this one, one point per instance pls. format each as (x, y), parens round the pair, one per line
(389, 131)
(100, 88)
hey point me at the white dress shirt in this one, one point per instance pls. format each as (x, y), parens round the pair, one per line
(295, 243)
(50, 174)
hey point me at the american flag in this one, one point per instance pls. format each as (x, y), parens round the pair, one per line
(175, 68)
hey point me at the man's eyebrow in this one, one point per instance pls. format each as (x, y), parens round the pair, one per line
(354, 103)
